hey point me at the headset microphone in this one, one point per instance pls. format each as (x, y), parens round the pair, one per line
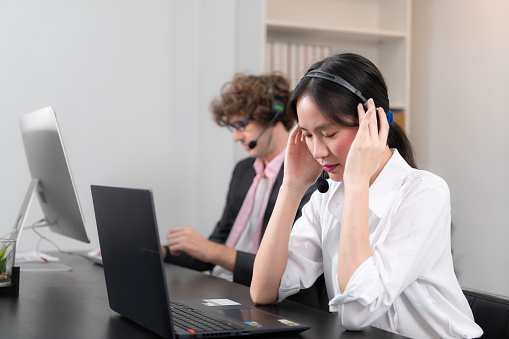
(252, 143)
(277, 107)
(322, 184)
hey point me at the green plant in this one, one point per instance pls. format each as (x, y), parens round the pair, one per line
(5, 257)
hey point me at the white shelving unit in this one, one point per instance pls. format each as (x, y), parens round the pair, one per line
(376, 29)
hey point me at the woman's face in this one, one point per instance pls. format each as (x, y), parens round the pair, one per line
(327, 141)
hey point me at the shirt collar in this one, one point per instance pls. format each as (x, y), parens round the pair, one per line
(272, 168)
(381, 192)
(388, 182)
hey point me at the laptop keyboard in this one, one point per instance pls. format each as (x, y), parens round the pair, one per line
(194, 320)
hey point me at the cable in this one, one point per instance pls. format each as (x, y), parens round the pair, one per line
(41, 223)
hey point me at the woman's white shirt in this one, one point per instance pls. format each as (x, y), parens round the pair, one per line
(408, 285)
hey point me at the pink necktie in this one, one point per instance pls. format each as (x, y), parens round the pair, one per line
(271, 172)
(245, 210)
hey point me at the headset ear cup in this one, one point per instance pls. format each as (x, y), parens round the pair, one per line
(278, 114)
(278, 107)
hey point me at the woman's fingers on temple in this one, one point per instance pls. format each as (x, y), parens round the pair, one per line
(383, 117)
(364, 119)
(299, 136)
(360, 113)
(373, 127)
(384, 124)
(294, 134)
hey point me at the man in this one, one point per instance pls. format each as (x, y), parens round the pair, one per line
(253, 107)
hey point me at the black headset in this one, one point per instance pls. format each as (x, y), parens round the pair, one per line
(277, 106)
(277, 110)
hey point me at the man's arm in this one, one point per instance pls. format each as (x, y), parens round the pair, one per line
(242, 177)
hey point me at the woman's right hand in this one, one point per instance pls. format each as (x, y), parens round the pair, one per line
(300, 169)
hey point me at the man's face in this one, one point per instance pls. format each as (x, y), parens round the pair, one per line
(246, 130)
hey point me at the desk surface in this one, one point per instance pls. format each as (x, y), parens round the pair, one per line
(75, 305)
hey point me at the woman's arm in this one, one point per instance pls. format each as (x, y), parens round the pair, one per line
(300, 171)
(415, 236)
(367, 156)
(272, 256)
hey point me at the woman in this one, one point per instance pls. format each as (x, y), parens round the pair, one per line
(381, 232)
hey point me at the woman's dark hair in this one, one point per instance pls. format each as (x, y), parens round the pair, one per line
(339, 104)
(249, 96)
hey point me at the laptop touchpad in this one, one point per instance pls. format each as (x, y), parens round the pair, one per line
(256, 318)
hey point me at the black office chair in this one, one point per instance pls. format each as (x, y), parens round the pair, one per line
(491, 312)
(314, 296)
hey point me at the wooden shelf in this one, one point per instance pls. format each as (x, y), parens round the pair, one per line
(300, 30)
(334, 32)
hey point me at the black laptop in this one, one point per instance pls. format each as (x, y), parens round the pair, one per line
(136, 281)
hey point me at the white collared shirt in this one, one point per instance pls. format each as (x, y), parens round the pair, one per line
(408, 285)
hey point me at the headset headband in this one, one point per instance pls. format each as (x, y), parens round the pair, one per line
(317, 73)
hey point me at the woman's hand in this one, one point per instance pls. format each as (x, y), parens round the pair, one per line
(300, 170)
(368, 147)
(363, 163)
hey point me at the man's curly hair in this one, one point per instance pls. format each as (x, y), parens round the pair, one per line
(249, 96)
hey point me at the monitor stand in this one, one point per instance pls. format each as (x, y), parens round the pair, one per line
(25, 206)
(43, 267)
(19, 225)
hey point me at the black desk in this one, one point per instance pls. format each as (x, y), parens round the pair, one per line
(57, 305)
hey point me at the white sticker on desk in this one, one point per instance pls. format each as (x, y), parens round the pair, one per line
(219, 302)
(288, 322)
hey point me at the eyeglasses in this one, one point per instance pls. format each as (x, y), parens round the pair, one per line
(239, 125)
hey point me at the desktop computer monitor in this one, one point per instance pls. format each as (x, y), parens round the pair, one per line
(52, 180)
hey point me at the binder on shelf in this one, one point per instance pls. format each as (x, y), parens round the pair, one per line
(293, 59)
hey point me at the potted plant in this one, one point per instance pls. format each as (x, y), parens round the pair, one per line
(6, 261)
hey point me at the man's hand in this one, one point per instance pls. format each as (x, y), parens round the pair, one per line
(186, 239)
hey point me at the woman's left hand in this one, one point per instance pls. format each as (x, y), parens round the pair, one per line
(368, 147)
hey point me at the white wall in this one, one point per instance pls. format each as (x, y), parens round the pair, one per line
(131, 83)
(460, 83)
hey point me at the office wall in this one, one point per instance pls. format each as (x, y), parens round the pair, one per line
(130, 82)
(460, 82)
